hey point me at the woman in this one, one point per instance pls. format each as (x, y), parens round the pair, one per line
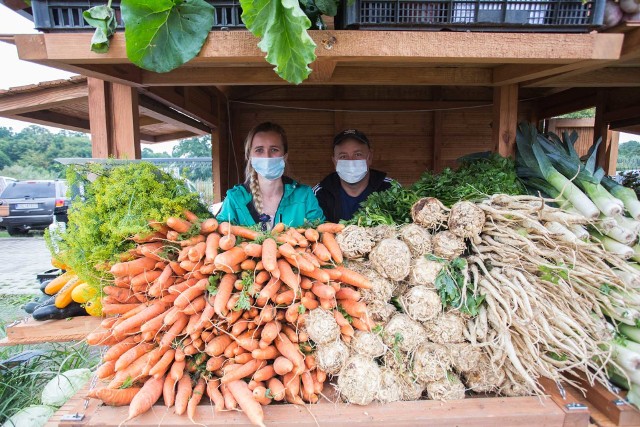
(267, 197)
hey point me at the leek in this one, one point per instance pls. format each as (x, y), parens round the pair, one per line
(580, 232)
(626, 355)
(626, 195)
(622, 235)
(631, 332)
(630, 279)
(628, 223)
(613, 246)
(634, 395)
(636, 253)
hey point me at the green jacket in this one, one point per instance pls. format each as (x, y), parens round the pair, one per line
(297, 205)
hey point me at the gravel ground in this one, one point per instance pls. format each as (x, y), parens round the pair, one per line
(21, 260)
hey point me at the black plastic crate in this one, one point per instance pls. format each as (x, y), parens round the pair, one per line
(64, 16)
(478, 15)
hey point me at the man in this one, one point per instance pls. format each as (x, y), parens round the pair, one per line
(341, 193)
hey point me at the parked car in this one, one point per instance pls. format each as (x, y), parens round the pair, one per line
(4, 181)
(32, 205)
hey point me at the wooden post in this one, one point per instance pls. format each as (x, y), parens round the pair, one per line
(436, 161)
(220, 152)
(505, 119)
(607, 156)
(126, 127)
(99, 118)
(114, 120)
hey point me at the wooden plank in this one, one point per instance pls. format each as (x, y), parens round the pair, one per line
(385, 46)
(155, 109)
(611, 405)
(492, 411)
(33, 331)
(505, 119)
(603, 77)
(220, 142)
(125, 126)
(510, 73)
(601, 131)
(42, 99)
(55, 119)
(100, 118)
(174, 97)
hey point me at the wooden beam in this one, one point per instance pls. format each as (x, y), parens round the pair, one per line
(43, 99)
(174, 97)
(368, 105)
(601, 131)
(604, 77)
(220, 152)
(510, 74)
(354, 46)
(565, 102)
(322, 70)
(174, 136)
(152, 108)
(352, 75)
(15, 5)
(505, 119)
(54, 119)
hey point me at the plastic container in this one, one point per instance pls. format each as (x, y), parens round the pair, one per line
(479, 15)
(64, 16)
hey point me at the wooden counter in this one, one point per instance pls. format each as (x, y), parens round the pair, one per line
(31, 331)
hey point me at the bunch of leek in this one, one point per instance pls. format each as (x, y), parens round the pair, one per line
(551, 166)
(624, 368)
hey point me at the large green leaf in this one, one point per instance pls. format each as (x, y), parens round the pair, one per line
(327, 7)
(103, 19)
(283, 28)
(164, 34)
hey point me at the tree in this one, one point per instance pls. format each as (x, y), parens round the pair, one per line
(148, 153)
(582, 114)
(193, 147)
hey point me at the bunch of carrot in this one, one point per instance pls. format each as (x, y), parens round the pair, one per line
(222, 312)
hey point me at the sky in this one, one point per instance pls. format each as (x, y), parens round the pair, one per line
(15, 72)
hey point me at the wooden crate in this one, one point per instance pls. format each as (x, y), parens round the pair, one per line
(611, 405)
(34, 332)
(480, 411)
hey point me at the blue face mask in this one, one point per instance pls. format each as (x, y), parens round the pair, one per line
(270, 168)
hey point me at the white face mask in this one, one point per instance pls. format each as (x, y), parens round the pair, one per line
(269, 167)
(352, 171)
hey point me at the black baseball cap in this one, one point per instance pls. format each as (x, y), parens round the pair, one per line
(351, 134)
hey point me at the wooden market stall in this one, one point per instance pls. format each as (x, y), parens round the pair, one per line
(423, 98)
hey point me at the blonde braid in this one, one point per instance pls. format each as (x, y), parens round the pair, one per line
(254, 186)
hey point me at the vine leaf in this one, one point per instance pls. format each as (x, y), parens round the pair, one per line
(328, 7)
(103, 19)
(164, 34)
(282, 25)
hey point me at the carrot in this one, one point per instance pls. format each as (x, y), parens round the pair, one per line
(151, 250)
(321, 251)
(334, 273)
(330, 227)
(328, 304)
(347, 330)
(269, 333)
(248, 404)
(364, 323)
(113, 353)
(177, 370)
(245, 233)
(348, 293)
(217, 346)
(175, 266)
(329, 240)
(196, 396)
(174, 331)
(224, 293)
(133, 268)
(196, 252)
(354, 308)
(269, 352)
(269, 255)
(285, 298)
(191, 266)
(261, 277)
(286, 250)
(227, 242)
(188, 295)
(242, 371)
(285, 238)
(209, 225)
(323, 291)
(178, 224)
(264, 374)
(131, 355)
(354, 279)
(288, 276)
(230, 258)
(114, 397)
(106, 370)
(282, 365)
(183, 394)
(312, 259)
(301, 263)
(229, 401)
(215, 395)
(291, 382)
(290, 351)
(212, 245)
(192, 241)
(102, 338)
(291, 315)
(253, 250)
(311, 235)
(318, 274)
(169, 391)
(135, 321)
(277, 389)
(278, 228)
(190, 216)
(270, 289)
(146, 397)
(161, 367)
(260, 394)
(307, 383)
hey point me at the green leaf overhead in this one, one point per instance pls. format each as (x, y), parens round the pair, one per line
(282, 25)
(103, 19)
(328, 7)
(164, 34)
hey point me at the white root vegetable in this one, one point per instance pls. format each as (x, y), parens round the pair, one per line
(448, 388)
(429, 213)
(392, 259)
(425, 271)
(466, 220)
(331, 357)
(447, 245)
(445, 328)
(355, 241)
(403, 333)
(322, 326)
(421, 303)
(417, 239)
(359, 380)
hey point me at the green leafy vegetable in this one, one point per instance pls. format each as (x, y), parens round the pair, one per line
(244, 301)
(451, 281)
(164, 34)
(389, 207)
(214, 281)
(103, 19)
(479, 176)
(282, 25)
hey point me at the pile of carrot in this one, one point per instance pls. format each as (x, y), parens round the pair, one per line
(222, 313)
